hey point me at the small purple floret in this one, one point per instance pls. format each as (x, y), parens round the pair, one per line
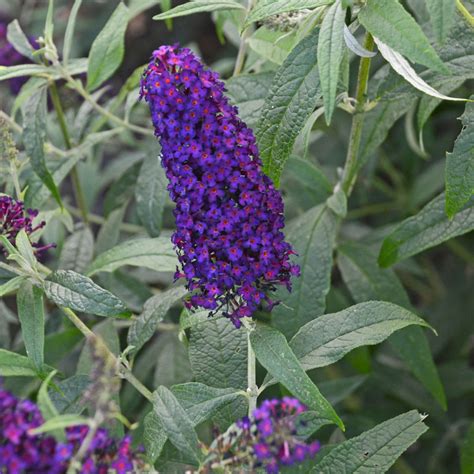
(229, 216)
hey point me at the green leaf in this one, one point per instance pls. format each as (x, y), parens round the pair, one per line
(330, 52)
(339, 389)
(109, 232)
(68, 397)
(31, 315)
(69, 34)
(272, 45)
(374, 451)
(330, 337)
(75, 291)
(49, 23)
(155, 309)
(265, 8)
(11, 285)
(338, 203)
(34, 133)
(10, 72)
(18, 40)
(24, 247)
(367, 281)
(197, 6)
(426, 229)
(59, 422)
(156, 254)
(460, 165)
(150, 194)
(176, 423)
(312, 236)
(467, 452)
(122, 190)
(154, 436)
(276, 356)
(15, 365)
(77, 251)
(442, 14)
(248, 92)
(288, 105)
(215, 343)
(391, 23)
(107, 50)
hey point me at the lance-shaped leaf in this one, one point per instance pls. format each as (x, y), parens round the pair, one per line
(34, 133)
(156, 254)
(288, 105)
(198, 6)
(312, 236)
(367, 281)
(330, 337)
(75, 291)
(154, 311)
(330, 52)
(176, 423)
(16, 365)
(442, 13)
(374, 451)
(77, 251)
(460, 165)
(467, 451)
(31, 315)
(274, 353)
(108, 48)
(389, 21)
(19, 40)
(426, 229)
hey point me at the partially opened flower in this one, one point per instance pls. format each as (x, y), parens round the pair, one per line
(14, 217)
(229, 216)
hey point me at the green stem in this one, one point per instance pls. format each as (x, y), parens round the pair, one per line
(76, 182)
(252, 388)
(352, 165)
(126, 373)
(465, 12)
(239, 62)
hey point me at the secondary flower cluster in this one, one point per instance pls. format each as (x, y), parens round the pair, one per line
(229, 216)
(23, 453)
(14, 217)
(268, 440)
(9, 56)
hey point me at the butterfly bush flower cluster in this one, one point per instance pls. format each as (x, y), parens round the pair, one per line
(9, 56)
(24, 453)
(269, 439)
(229, 216)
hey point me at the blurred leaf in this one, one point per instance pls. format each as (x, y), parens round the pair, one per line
(339, 389)
(77, 251)
(59, 422)
(144, 326)
(34, 133)
(288, 105)
(443, 14)
(122, 190)
(69, 34)
(330, 337)
(276, 356)
(271, 45)
(172, 361)
(367, 281)
(215, 343)
(68, 397)
(389, 21)
(157, 254)
(135, 7)
(426, 229)
(460, 165)
(467, 452)
(31, 315)
(337, 202)
(330, 52)
(374, 451)
(10, 72)
(107, 50)
(11, 285)
(176, 423)
(16, 365)
(75, 291)
(109, 232)
(197, 6)
(265, 8)
(248, 92)
(18, 40)
(150, 194)
(47, 408)
(312, 236)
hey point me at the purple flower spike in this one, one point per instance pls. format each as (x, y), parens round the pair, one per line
(14, 217)
(271, 434)
(229, 216)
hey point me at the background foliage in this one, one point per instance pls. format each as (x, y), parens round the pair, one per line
(377, 173)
